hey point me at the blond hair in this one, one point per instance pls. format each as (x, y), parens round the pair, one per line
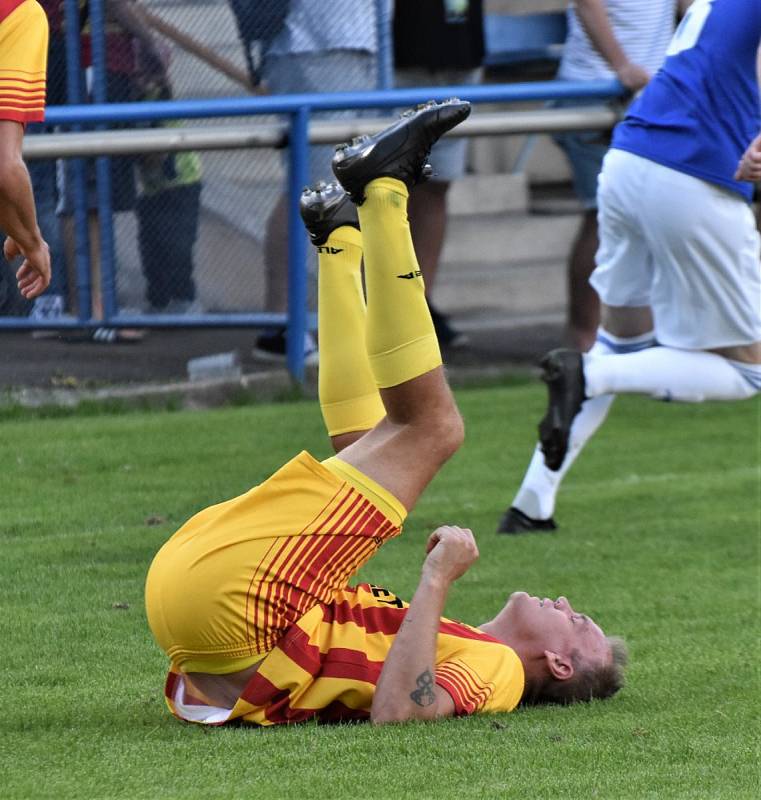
(589, 681)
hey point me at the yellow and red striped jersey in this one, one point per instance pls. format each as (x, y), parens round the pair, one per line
(23, 60)
(7, 7)
(328, 663)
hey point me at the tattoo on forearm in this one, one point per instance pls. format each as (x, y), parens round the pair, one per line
(423, 695)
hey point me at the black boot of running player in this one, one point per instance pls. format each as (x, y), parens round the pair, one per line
(563, 372)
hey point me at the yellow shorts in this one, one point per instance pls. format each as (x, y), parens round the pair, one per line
(23, 61)
(223, 590)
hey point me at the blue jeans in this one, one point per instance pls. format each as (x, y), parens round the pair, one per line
(43, 176)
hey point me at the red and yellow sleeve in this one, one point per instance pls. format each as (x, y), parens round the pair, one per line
(23, 60)
(481, 676)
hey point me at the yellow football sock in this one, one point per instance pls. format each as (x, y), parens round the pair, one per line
(349, 398)
(401, 342)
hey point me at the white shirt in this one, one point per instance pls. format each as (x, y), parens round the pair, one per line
(643, 28)
(316, 26)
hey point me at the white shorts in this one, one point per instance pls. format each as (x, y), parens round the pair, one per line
(685, 247)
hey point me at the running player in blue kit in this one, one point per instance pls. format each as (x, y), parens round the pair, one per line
(678, 264)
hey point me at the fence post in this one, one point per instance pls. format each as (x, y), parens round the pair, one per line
(74, 94)
(103, 164)
(385, 45)
(298, 178)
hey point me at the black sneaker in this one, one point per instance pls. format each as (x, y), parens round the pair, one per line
(515, 521)
(325, 208)
(563, 372)
(400, 151)
(271, 346)
(445, 333)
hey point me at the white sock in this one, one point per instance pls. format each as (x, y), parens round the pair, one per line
(538, 493)
(690, 376)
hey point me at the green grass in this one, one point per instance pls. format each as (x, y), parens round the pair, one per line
(659, 541)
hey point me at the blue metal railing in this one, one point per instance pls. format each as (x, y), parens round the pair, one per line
(152, 111)
(384, 15)
(75, 96)
(299, 109)
(103, 164)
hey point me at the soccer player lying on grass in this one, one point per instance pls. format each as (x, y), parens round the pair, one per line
(250, 598)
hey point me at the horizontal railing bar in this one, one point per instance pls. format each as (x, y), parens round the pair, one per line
(497, 123)
(217, 320)
(288, 104)
(257, 319)
(154, 140)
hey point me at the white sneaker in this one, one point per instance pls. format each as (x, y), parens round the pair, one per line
(47, 307)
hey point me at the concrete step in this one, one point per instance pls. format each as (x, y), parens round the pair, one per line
(492, 291)
(505, 238)
(544, 162)
(488, 193)
(505, 265)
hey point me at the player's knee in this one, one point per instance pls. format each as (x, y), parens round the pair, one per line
(448, 431)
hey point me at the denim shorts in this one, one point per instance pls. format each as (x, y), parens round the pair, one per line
(585, 151)
(333, 71)
(449, 155)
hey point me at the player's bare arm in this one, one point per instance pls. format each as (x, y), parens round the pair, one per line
(682, 7)
(594, 19)
(18, 218)
(406, 688)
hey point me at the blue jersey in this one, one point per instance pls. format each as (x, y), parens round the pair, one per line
(701, 110)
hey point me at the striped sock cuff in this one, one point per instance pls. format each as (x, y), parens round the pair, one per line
(751, 372)
(608, 343)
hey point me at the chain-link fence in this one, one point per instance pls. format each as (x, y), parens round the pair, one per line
(204, 231)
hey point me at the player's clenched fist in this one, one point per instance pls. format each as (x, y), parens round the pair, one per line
(451, 550)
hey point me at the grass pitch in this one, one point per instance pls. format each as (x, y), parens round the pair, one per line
(659, 541)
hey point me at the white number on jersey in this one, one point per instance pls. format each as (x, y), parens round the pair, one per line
(688, 32)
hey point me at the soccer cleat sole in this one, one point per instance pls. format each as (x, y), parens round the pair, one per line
(325, 208)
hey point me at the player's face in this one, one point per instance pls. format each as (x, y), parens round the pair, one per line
(556, 626)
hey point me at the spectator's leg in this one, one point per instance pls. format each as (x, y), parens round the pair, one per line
(583, 302)
(428, 224)
(331, 70)
(276, 256)
(43, 176)
(585, 152)
(154, 230)
(186, 202)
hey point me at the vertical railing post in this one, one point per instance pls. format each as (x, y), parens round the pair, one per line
(103, 165)
(78, 173)
(385, 45)
(298, 177)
